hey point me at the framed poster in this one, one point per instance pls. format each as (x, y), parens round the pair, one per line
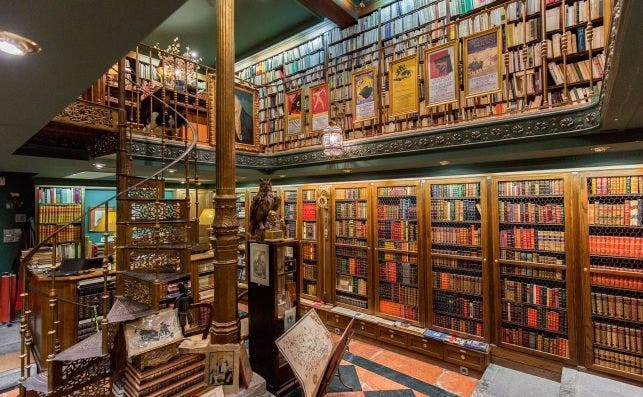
(364, 94)
(441, 74)
(151, 332)
(482, 63)
(293, 111)
(319, 106)
(403, 86)
(259, 257)
(246, 123)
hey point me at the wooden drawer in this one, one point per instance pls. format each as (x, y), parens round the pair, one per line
(393, 336)
(365, 328)
(334, 320)
(466, 358)
(425, 346)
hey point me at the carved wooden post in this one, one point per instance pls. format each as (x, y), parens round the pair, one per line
(123, 168)
(225, 226)
(105, 297)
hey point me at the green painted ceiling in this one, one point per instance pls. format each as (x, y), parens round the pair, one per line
(258, 24)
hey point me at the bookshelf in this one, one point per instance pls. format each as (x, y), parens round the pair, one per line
(311, 274)
(397, 230)
(350, 247)
(202, 280)
(290, 210)
(242, 265)
(534, 274)
(458, 251)
(611, 219)
(55, 207)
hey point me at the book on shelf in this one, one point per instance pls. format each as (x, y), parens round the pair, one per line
(618, 185)
(618, 361)
(621, 282)
(536, 340)
(59, 195)
(627, 213)
(53, 213)
(551, 187)
(617, 306)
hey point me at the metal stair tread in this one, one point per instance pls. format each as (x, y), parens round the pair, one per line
(125, 309)
(37, 383)
(91, 347)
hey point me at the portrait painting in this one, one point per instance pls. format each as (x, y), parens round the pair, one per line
(245, 117)
(259, 257)
(364, 95)
(441, 74)
(482, 63)
(294, 112)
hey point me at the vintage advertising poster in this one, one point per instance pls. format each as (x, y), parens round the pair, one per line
(403, 83)
(293, 111)
(441, 74)
(307, 346)
(319, 106)
(364, 95)
(482, 67)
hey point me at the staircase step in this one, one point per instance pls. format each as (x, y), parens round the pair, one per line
(125, 309)
(37, 383)
(137, 210)
(575, 383)
(176, 377)
(90, 347)
(499, 381)
(150, 189)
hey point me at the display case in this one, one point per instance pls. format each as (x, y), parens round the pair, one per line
(399, 279)
(290, 210)
(242, 209)
(534, 265)
(611, 226)
(273, 300)
(351, 247)
(457, 255)
(311, 271)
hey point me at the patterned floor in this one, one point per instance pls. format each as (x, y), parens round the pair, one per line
(373, 371)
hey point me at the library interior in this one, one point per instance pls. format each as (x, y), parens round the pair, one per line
(321, 197)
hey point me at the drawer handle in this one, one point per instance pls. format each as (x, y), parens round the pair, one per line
(463, 351)
(462, 357)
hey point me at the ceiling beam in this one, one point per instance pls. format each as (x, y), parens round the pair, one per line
(342, 12)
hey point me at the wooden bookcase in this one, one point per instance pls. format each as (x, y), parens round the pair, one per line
(611, 256)
(56, 206)
(398, 267)
(535, 293)
(311, 275)
(457, 256)
(290, 210)
(202, 279)
(243, 208)
(351, 244)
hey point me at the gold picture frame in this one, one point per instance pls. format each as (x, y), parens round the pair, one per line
(288, 106)
(316, 98)
(357, 88)
(429, 61)
(403, 86)
(474, 62)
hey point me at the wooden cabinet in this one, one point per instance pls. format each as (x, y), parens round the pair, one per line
(290, 210)
(202, 277)
(534, 265)
(309, 221)
(457, 251)
(272, 305)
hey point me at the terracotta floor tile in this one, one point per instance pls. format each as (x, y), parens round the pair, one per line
(457, 383)
(421, 370)
(371, 381)
(347, 394)
(10, 393)
(364, 349)
(418, 394)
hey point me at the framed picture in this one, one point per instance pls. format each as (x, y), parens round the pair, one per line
(403, 83)
(364, 94)
(97, 221)
(246, 123)
(294, 112)
(259, 270)
(151, 332)
(482, 63)
(319, 106)
(223, 367)
(441, 74)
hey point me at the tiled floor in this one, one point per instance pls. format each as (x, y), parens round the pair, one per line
(381, 372)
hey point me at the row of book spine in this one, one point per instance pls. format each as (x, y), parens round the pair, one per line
(398, 244)
(352, 285)
(536, 340)
(510, 270)
(351, 210)
(631, 247)
(394, 272)
(309, 212)
(406, 231)
(615, 185)
(350, 228)
(350, 194)
(530, 238)
(627, 213)
(404, 208)
(547, 187)
(399, 293)
(357, 302)
(396, 191)
(455, 190)
(619, 336)
(530, 257)
(535, 294)
(618, 361)
(455, 210)
(309, 271)
(309, 230)
(457, 283)
(456, 235)
(530, 212)
(617, 306)
(310, 288)
(353, 266)
(537, 317)
(461, 306)
(59, 195)
(397, 309)
(457, 264)
(69, 233)
(578, 71)
(51, 213)
(471, 327)
(610, 280)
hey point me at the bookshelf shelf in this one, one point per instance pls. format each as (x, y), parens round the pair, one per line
(612, 256)
(311, 269)
(456, 292)
(451, 314)
(538, 329)
(532, 264)
(57, 206)
(562, 309)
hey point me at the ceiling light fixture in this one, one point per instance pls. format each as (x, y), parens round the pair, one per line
(347, 171)
(14, 44)
(99, 166)
(282, 176)
(171, 170)
(445, 162)
(333, 140)
(600, 149)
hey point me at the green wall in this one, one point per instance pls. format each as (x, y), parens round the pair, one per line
(22, 186)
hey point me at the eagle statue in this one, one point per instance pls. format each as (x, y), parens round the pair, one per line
(264, 202)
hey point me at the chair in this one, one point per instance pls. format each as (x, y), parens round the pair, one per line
(199, 320)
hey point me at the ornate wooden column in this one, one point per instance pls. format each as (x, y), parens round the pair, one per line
(225, 240)
(123, 166)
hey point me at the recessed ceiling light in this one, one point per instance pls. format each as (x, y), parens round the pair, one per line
(14, 44)
(99, 166)
(600, 149)
(347, 171)
(282, 176)
(171, 170)
(445, 162)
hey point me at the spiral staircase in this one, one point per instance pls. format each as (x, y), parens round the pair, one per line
(154, 240)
